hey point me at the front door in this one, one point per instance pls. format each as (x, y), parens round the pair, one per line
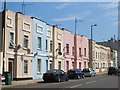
(10, 67)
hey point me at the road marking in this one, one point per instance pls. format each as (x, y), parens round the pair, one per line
(76, 85)
(90, 82)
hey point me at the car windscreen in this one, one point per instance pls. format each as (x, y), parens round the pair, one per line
(86, 70)
(51, 71)
(71, 71)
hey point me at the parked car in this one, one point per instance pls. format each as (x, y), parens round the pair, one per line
(112, 70)
(55, 75)
(89, 72)
(2, 77)
(75, 74)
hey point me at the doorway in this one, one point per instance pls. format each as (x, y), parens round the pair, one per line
(11, 67)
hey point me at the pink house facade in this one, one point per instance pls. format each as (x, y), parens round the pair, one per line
(82, 54)
(68, 50)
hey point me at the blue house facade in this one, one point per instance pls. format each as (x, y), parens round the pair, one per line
(40, 48)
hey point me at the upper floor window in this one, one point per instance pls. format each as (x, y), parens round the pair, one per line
(67, 48)
(39, 43)
(39, 29)
(26, 26)
(26, 39)
(51, 46)
(48, 33)
(9, 21)
(59, 36)
(11, 39)
(59, 47)
(84, 51)
(73, 51)
(80, 52)
(46, 45)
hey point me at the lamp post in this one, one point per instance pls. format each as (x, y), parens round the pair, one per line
(75, 43)
(91, 61)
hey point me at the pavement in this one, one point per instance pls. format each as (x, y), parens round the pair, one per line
(21, 82)
(25, 82)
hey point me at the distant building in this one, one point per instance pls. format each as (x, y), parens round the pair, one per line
(112, 43)
(101, 57)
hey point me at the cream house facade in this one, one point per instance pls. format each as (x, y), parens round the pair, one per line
(18, 46)
(100, 57)
(50, 46)
(57, 37)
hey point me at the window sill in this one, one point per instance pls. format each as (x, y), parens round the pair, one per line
(39, 49)
(39, 73)
(25, 48)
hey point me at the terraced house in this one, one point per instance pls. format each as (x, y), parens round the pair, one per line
(18, 45)
(82, 53)
(68, 50)
(40, 48)
(58, 60)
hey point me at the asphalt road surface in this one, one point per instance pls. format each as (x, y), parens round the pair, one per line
(100, 81)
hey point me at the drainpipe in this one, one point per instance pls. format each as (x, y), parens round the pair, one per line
(53, 51)
(3, 27)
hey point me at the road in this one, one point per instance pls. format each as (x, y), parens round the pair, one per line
(100, 81)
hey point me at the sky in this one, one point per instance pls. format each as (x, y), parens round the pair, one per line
(63, 14)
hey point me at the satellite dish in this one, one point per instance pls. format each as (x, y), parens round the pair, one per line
(60, 53)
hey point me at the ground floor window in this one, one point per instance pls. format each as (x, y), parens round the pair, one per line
(46, 65)
(25, 66)
(50, 65)
(73, 64)
(39, 66)
(59, 65)
(79, 65)
(67, 65)
(84, 64)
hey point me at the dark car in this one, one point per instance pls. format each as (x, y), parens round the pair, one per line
(75, 74)
(112, 70)
(55, 75)
(89, 72)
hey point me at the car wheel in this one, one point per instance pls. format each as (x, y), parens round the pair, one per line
(45, 81)
(83, 76)
(66, 78)
(58, 79)
(78, 77)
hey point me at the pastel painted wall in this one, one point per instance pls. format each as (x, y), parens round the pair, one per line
(58, 38)
(41, 52)
(82, 60)
(68, 57)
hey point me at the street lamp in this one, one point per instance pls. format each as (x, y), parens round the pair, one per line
(91, 45)
(75, 42)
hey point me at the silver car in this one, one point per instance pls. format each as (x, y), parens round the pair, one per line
(89, 72)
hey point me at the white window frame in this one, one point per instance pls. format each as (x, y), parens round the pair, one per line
(39, 48)
(28, 41)
(48, 33)
(41, 32)
(59, 36)
(24, 66)
(24, 29)
(13, 38)
(9, 25)
(40, 66)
